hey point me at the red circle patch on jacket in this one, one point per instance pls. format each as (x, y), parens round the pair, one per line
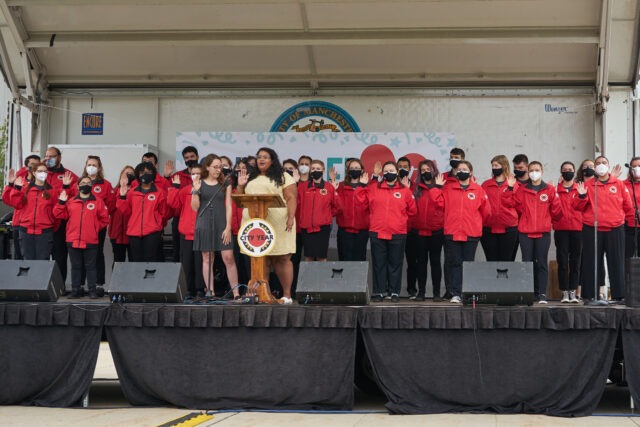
(397, 195)
(544, 197)
(323, 191)
(97, 189)
(613, 190)
(151, 197)
(471, 196)
(91, 206)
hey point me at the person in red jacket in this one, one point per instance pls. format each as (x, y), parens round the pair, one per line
(35, 200)
(568, 235)
(179, 200)
(633, 221)
(353, 218)
(243, 262)
(147, 206)
(466, 207)
(536, 202)
(500, 233)
(604, 199)
(86, 216)
(390, 206)
(427, 228)
(318, 204)
(119, 222)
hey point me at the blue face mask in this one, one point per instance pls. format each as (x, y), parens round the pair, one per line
(51, 163)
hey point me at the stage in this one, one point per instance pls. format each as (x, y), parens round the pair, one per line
(425, 357)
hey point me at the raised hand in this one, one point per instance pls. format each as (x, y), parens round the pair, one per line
(67, 178)
(440, 179)
(296, 175)
(333, 174)
(11, 176)
(176, 179)
(364, 178)
(405, 181)
(377, 168)
(63, 196)
(124, 185)
(616, 171)
(511, 180)
(197, 183)
(243, 177)
(168, 168)
(581, 188)
(19, 181)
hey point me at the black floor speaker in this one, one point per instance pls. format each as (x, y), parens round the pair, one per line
(495, 282)
(632, 282)
(333, 282)
(162, 282)
(22, 280)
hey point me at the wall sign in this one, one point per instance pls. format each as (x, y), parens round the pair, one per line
(92, 123)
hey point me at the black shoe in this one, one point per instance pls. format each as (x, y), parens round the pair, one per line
(200, 294)
(395, 298)
(93, 294)
(437, 299)
(420, 297)
(447, 295)
(377, 298)
(75, 293)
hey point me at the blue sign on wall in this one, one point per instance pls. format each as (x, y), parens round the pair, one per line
(92, 123)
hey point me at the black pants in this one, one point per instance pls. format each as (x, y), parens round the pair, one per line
(537, 251)
(352, 246)
(411, 249)
(176, 237)
(83, 260)
(36, 246)
(59, 251)
(628, 241)
(243, 263)
(500, 247)
(387, 257)
(295, 259)
(568, 255)
(100, 268)
(610, 243)
(454, 254)
(17, 252)
(146, 248)
(120, 252)
(191, 265)
(429, 252)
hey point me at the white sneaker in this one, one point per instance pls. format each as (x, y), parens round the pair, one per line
(542, 299)
(456, 299)
(286, 301)
(565, 297)
(573, 298)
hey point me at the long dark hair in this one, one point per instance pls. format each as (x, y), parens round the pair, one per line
(434, 172)
(276, 172)
(580, 172)
(251, 171)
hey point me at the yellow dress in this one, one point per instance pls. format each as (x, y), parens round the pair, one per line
(277, 217)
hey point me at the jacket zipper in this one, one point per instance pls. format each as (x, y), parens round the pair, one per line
(144, 196)
(35, 211)
(81, 218)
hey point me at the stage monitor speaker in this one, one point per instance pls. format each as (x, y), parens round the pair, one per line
(162, 282)
(632, 282)
(23, 280)
(333, 282)
(496, 282)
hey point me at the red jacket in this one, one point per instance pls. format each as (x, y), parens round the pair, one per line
(236, 216)
(536, 208)
(86, 217)
(354, 216)
(148, 211)
(571, 219)
(37, 211)
(179, 200)
(630, 216)
(614, 203)
(185, 181)
(430, 215)
(464, 210)
(118, 224)
(320, 205)
(160, 183)
(103, 189)
(389, 208)
(55, 177)
(502, 217)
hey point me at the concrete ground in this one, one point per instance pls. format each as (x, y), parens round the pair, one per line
(108, 408)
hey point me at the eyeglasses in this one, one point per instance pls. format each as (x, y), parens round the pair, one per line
(265, 157)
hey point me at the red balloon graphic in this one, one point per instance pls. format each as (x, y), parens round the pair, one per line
(376, 153)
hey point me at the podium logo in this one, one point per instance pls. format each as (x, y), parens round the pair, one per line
(256, 238)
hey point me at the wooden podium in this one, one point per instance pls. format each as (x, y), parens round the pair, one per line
(258, 205)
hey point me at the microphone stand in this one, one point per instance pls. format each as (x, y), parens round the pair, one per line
(596, 301)
(636, 216)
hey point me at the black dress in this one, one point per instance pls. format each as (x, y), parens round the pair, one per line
(211, 220)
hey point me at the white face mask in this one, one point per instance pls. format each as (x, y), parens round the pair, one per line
(303, 169)
(41, 176)
(602, 169)
(92, 170)
(535, 175)
(194, 177)
(636, 171)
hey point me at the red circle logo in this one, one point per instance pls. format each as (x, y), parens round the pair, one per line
(544, 197)
(471, 196)
(151, 197)
(256, 238)
(91, 206)
(97, 189)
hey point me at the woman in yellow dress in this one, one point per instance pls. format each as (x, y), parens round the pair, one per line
(272, 179)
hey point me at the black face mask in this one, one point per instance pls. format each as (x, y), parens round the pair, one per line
(85, 189)
(390, 176)
(588, 172)
(316, 175)
(567, 176)
(463, 176)
(427, 176)
(454, 163)
(146, 178)
(355, 174)
(496, 171)
(289, 171)
(131, 177)
(403, 172)
(519, 174)
(191, 163)
(226, 171)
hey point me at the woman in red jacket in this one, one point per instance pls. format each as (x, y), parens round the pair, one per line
(536, 202)
(243, 262)
(119, 222)
(390, 206)
(353, 218)
(318, 204)
(37, 223)
(613, 205)
(500, 233)
(568, 235)
(466, 207)
(146, 205)
(86, 216)
(631, 229)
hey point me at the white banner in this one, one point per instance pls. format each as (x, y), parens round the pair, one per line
(333, 148)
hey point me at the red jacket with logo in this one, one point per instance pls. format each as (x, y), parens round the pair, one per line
(536, 208)
(465, 210)
(430, 215)
(320, 205)
(55, 177)
(614, 203)
(389, 208)
(502, 217)
(86, 217)
(630, 216)
(36, 211)
(103, 189)
(185, 181)
(354, 216)
(148, 211)
(118, 224)
(571, 219)
(179, 200)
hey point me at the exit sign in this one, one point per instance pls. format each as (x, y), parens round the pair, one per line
(92, 123)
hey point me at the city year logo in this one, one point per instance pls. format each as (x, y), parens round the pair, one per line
(256, 238)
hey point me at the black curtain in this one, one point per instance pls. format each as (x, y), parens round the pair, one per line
(217, 357)
(48, 352)
(505, 360)
(631, 346)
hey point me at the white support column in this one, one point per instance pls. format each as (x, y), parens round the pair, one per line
(618, 126)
